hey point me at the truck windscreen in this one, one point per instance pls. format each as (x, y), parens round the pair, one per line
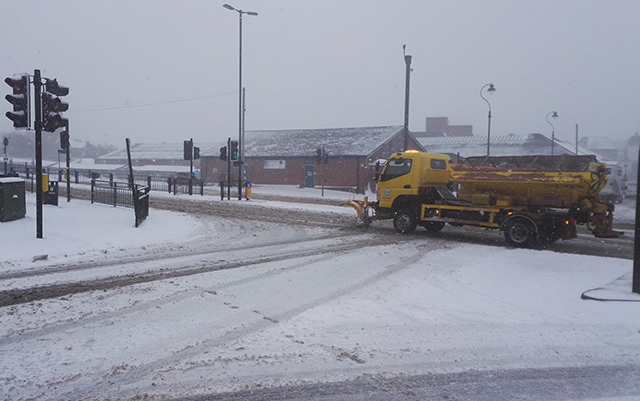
(396, 168)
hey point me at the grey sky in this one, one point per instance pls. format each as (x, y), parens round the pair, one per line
(164, 71)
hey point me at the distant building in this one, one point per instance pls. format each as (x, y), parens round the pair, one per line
(439, 127)
(290, 157)
(160, 154)
(601, 145)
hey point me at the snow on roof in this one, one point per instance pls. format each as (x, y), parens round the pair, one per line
(160, 151)
(360, 141)
(501, 145)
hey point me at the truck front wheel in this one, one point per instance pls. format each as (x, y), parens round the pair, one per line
(519, 232)
(405, 222)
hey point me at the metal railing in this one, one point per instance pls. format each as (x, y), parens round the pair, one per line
(111, 193)
(121, 194)
(85, 176)
(141, 203)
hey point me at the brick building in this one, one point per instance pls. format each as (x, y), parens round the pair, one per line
(289, 157)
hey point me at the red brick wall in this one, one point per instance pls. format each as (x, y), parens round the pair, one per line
(340, 171)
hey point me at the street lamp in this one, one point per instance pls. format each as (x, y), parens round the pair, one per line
(553, 114)
(407, 62)
(490, 90)
(240, 142)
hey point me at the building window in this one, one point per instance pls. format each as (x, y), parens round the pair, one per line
(274, 164)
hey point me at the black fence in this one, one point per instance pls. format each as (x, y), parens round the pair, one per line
(120, 194)
(175, 184)
(111, 193)
(141, 203)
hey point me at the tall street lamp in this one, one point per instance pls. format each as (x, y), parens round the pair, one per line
(490, 90)
(553, 114)
(240, 144)
(407, 62)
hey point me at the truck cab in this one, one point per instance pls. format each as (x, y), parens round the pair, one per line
(408, 174)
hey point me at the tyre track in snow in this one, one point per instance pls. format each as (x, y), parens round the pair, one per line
(179, 360)
(183, 265)
(150, 253)
(236, 220)
(176, 297)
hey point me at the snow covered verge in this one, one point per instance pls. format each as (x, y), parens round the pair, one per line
(405, 308)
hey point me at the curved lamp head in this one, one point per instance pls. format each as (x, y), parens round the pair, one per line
(490, 90)
(228, 7)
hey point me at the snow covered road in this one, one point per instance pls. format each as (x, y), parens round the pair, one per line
(413, 307)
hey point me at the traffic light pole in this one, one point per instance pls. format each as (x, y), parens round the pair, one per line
(635, 281)
(5, 143)
(323, 178)
(228, 178)
(38, 125)
(191, 170)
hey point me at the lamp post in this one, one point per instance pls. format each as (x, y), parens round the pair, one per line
(553, 114)
(407, 62)
(240, 144)
(490, 90)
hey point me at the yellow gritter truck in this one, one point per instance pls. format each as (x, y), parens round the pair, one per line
(533, 199)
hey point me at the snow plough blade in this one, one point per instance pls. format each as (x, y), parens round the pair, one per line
(362, 210)
(601, 219)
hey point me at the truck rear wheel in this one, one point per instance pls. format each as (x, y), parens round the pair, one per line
(520, 232)
(405, 222)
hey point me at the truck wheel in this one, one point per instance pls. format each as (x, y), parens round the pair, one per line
(520, 232)
(405, 222)
(433, 226)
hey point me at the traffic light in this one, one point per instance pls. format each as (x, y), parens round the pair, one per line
(52, 105)
(319, 156)
(234, 150)
(188, 149)
(19, 99)
(64, 140)
(196, 153)
(223, 153)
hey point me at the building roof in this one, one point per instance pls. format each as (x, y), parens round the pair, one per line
(501, 145)
(159, 151)
(360, 141)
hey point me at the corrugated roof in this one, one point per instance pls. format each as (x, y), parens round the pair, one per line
(360, 141)
(501, 145)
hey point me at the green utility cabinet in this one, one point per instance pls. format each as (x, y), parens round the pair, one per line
(12, 199)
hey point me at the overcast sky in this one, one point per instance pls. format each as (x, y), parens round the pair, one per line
(165, 71)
